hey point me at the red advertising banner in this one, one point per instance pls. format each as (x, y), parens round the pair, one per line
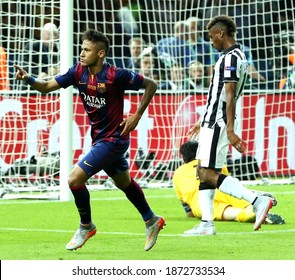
(266, 123)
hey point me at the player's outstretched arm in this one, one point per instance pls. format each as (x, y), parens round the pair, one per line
(37, 84)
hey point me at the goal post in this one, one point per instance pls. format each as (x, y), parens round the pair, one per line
(66, 100)
(43, 136)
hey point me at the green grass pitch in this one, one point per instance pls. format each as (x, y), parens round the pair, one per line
(39, 230)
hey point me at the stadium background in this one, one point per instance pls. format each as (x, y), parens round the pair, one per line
(29, 123)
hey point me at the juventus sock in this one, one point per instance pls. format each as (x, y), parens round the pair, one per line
(82, 201)
(233, 187)
(206, 197)
(136, 196)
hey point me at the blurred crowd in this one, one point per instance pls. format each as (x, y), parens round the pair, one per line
(163, 40)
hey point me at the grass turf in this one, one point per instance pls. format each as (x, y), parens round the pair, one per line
(39, 230)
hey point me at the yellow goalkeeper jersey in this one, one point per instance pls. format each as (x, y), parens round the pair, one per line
(186, 187)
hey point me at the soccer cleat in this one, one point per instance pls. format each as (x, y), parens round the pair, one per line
(261, 207)
(274, 200)
(153, 231)
(80, 237)
(204, 228)
(274, 219)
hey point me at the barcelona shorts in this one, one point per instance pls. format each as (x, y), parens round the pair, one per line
(106, 155)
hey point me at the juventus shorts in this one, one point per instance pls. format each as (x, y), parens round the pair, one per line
(213, 146)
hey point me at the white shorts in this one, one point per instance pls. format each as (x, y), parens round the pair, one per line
(213, 146)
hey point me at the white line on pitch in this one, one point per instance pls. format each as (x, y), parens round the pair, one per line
(140, 234)
(114, 198)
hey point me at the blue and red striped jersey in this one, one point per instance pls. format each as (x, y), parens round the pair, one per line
(102, 96)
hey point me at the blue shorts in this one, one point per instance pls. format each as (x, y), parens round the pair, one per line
(107, 156)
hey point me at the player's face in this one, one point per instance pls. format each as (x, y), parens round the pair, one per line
(216, 35)
(91, 53)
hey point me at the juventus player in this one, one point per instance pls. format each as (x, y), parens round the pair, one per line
(216, 128)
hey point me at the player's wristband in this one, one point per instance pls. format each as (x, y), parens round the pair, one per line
(31, 80)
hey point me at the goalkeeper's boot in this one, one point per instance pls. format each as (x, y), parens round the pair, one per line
(274, 219)
(153, 227)
(204, 228)
(261, 207)
(80, 237)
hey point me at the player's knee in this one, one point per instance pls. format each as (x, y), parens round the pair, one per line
(77, 177)
(71, 182)
(74, 181)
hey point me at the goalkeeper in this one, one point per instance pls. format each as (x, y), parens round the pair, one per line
(226, 207)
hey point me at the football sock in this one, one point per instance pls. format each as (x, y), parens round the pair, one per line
(82, 201)
(233, 187)
(136, 196)
(206, 204)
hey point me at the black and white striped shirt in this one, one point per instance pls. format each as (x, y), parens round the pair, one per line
(232, 66)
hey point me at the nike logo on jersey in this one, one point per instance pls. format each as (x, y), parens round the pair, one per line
(82, 83)
(86, 163)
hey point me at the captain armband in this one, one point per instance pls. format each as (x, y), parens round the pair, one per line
(186, 207)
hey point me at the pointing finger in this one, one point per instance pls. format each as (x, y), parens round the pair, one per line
(17, 67)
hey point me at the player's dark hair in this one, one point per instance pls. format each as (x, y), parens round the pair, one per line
(96, 37)
(188, 151)
(223, 21)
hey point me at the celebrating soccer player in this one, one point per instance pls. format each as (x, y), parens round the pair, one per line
(101, 87)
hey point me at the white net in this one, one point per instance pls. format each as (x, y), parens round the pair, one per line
(170, 44)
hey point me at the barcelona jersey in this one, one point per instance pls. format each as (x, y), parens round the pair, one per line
(102, 95)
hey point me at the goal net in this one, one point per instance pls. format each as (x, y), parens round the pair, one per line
(167, 41)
